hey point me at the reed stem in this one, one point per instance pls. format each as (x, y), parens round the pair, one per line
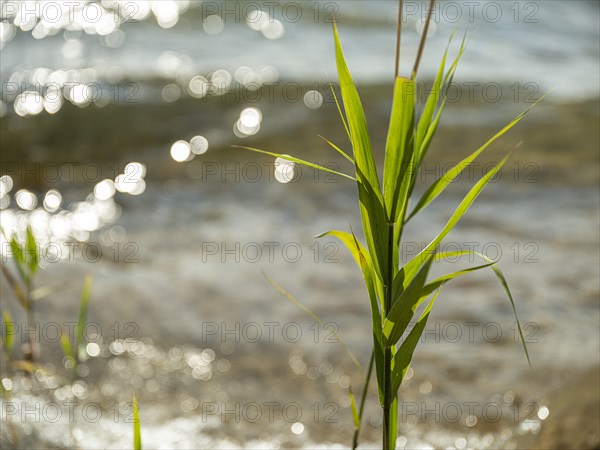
(423, 39)
(361, 408)
(387, 351)
(30, 344)
(398, 38)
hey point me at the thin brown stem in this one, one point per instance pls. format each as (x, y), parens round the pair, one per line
(398, 38)
(423, 38)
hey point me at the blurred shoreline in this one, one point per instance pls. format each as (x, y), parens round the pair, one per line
(560, 138)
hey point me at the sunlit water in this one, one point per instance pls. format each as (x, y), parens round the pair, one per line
(204, 330)
(101, 54)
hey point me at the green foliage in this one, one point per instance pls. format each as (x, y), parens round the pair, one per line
(75, 351)
(137, 428)
(297, 161)
(8, 336)
(354, 408)
(313, 316)
(396, 293)
(26, 261)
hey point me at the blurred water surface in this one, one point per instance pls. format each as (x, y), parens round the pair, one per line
(115, 138)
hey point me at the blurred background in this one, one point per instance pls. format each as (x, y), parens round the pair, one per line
(117, 121)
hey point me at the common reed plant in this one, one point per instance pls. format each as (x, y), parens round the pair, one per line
(74, 351)
(26, 262)
(398, 291)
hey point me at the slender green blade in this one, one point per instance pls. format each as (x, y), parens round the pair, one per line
(405, 305)
(357, 123)
(84, 301)
(426, 130)
(337, 149)
(376, 323)
(427, 116)
(375, 227)
(497, 272)
(442, 183)
(32, 251)
(339, 108)
(137, 429)
(8, 331)
(435, 284)
(410, 269)
(352, 244)
(404, 354)
(19, 259)
(372, 211)
(363, 259)
(363, 398)
(354, 409)
(364, 262)
(17, 251)
(438, 282)
(452, 70)
(397, 174)
(424, 141)
(67, 348)
(402, 295)
(310, 313)
(296, 160)
(424, 146)
(504, 283)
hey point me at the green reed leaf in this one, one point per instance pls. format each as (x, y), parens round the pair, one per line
(372, 210)
(67, 349)
(84, 301)
(405, 304)
(404, 355)
(425, 140)
(32, 255)
(411, 268)
(427, 116)
(354, 409)
(452, 174)
(9, 337)
(296, 160)
(435, 284)
(399, 151)
(357, 123)
(364, 261)
(309, 312)
(337, 149)
(339, 108)
(19, 259)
